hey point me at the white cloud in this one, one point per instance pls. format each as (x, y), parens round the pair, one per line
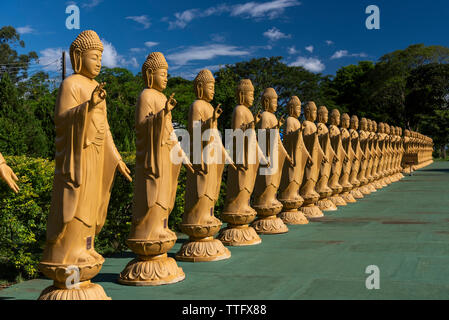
(270, 9)
(137, 50)
(310, 49)
(91, 3)
(112, 59)
(50, 59)
(143, 20)
(329, 42)
(25, 30)
(256, 10)
(216, 37)
(150, 44)
(275, 34)
(205, 53)
(344, 53)
(292, 50)
(310, 64)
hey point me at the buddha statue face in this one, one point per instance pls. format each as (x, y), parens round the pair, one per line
(155, 71)
(245, 93)
(386, 128)
(374, 126)
(86, 53)
(381, 127)
(310, 111)
(270, 100)
(344, 121)
(335, 117)
(204, 85)
(323, 115)
(354, 122)
(294, 107)
(363, 124)
(160, 79)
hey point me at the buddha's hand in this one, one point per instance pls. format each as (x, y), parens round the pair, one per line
(217, 112)
(9, 176)
(98, 95)
(171, 103)
(281, 121)
(124, 170)
(309, 163)
(257, 117)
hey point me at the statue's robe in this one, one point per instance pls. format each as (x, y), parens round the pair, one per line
(292, 174)
(206, 180)
(364, 163)
(325, 168)
(85, 161)
(156, 174)
(246, 161)
(355, 145)
(337, 166)
(346, 171)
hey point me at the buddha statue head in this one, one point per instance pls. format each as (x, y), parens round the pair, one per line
(294, 107)
(354, 122)
(86, 53)
(323, 114)
(364, 124)
(204, 85)
(155, 71)
(270, 100)
(335, 117)
(310, 111)
(345, 121)
(245, 93)
(386, 128)
(374, 126)
(381, 127)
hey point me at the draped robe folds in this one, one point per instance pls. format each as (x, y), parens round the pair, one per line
(268, 121)
(346, 171)
(2, 160)
(294, 145)
(244, 177)
(355, 145)
(207, 183)
(364, 163)
(156, 174)
(85, 161)
(371, 149)
(381, 143)
(312, 144)
(337, 166)
(325, 168)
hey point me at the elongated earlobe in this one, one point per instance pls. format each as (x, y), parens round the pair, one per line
(149, 78)
(78, 61)
(241, 98)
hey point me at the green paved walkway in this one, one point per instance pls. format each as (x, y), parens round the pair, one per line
(403, 229)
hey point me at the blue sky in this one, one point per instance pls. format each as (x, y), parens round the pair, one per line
(322, 35)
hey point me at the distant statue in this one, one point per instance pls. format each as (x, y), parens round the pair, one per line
(322, 186)
(8, 175)
(311, 174)
(365, 146)
(267, 183)
(85, 164)
(203, 185)
(341, 158)
(237, 211)
(371, 145)
(360, 155)
(346, 172)
(156, 182)
(292, 173)
(381, 138)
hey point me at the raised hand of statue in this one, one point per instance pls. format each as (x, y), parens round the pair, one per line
(281, 122)
(171, 103)
(335, 159)
(289, 159)
(124, 170)
(309, 163)
(217, 112)
(325, 160)
(257, 117)
(98, 95)
(9, 176)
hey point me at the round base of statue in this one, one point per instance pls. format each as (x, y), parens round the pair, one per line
(267, 221)
(64, 289)
(201, 246)
(326, 204)
(357, 193)
(365, 190)
(290, 213)
(152, 267)
(338, 201)
(238, 232)
(348, 197)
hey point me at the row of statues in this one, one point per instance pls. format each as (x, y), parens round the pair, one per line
(317, 168)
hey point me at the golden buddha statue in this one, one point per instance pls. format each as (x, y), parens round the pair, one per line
(237, 211)
(268, 179)
(375, 173)
(203, 185)
(365, 146)
(292, 174)
(322, 186)
(339, 160)
(156, 181)
(381, 138)
(8, 175)
(85, 164)
(311, 174)
(371, 158)
(346, 171)
(360, 157)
